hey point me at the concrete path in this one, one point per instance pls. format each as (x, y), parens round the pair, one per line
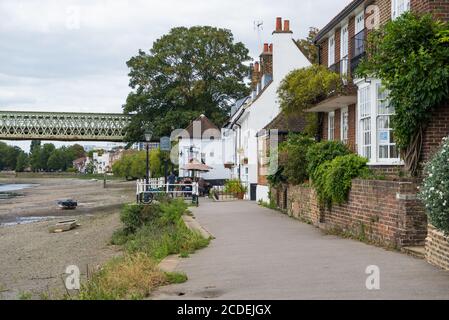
(262, 254)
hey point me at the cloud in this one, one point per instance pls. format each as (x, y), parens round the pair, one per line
(71, 55)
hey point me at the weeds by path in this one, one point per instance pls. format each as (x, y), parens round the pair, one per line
(150, 233)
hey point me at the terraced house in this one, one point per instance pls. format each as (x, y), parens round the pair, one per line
(386, 211)
(361, 116)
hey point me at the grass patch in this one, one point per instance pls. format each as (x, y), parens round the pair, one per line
(150, 234)
(176, 277)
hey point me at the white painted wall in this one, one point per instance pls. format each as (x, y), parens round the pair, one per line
(214, 154)
(286, 58)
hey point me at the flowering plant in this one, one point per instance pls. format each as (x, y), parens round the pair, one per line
(434, 192)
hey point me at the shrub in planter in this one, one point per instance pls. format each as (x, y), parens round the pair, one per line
(324, 151)
(334, 178)
(236, 187)
(434, 192)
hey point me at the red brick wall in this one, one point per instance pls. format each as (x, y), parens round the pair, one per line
(385, 212)
(324, 52)
(439, 8)
(337, 125)
(437, 129)
(352, 120)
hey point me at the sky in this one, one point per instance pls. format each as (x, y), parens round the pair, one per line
(71, 55)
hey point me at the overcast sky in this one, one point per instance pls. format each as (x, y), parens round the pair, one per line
(71, 55)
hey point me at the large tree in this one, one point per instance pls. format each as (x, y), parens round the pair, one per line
(308, 47)
(187, 72)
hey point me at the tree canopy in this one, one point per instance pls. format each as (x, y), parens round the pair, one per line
(308, 47)
(187, 72)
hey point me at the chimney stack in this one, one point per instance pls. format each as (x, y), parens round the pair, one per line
(255, 75)
(265, 47)
(278, 24)
(286, 25)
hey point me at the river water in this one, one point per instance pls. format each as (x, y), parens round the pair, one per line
(14, 187)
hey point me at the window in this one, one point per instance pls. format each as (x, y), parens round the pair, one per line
(365, 121)
(385, 141)
(398, 7)
(344, 50)
(331, 125)
(331, 51)
(359, 22)
(375, 136)
(344, 125)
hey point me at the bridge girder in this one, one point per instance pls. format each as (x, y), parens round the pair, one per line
(63, 126)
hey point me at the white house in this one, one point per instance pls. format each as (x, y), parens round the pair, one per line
(202, 141)
(252, 114)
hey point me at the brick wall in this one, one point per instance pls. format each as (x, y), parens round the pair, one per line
(437, 248)
(352, 124)
(385, 212)
(439, 8)
(437, 129)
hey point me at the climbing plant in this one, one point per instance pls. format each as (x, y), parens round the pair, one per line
(301, 89)
(411, 57)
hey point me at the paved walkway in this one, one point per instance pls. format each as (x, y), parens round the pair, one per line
(262, 254)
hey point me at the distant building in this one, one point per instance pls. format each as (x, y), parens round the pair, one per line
(203, 142)
(80, 164)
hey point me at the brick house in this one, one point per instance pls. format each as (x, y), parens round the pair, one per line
(361, 116)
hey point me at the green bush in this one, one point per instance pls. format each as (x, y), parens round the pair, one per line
(234, 186)
(134, 216)
(434, 191)
(293, 158)
(334, 178)
(324, 151)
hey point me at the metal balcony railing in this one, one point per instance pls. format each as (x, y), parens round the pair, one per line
(358, 49)
(341, 67)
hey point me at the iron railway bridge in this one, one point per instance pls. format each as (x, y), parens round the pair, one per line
(63, 126)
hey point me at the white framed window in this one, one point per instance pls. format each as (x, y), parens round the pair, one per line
(344, 50)
(331, 50)
(364, 102)
(331, 126)
(359, 22)
(386, 145)
(398, 7)
(375, 136)
(344, 125)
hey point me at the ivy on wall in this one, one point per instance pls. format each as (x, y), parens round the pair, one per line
(411, 57)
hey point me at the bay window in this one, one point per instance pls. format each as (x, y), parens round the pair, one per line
(375, 136)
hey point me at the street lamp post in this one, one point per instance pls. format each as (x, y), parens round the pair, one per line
(148, 134)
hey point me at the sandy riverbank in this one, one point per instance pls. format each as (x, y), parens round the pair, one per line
(31, 258)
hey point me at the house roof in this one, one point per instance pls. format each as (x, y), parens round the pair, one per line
(340, 16)
(286, 123)
(205, 123)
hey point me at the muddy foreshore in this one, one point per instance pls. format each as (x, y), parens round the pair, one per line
(33, 260)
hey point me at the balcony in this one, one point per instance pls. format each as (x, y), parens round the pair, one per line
(358, 49)
(341, 67)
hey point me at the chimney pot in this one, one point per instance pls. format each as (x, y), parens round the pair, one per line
(270, 48)
(286, 25)
(256, 67)
(265, 47)
(278, 24)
